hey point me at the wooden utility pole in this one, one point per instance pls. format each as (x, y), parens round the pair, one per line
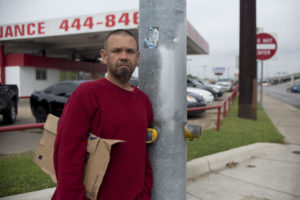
(247, 75)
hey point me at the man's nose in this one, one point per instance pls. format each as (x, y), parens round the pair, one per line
(124, 55)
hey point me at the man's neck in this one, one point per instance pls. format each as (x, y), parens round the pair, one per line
(124, 84)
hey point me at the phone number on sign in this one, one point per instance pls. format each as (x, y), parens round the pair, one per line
(110, 21)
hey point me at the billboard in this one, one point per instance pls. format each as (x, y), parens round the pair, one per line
(218, 70)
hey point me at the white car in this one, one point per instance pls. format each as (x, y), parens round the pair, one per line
(219, 87)
(226, 84)
(207, 96)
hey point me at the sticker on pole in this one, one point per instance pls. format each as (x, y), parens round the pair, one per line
(266, 46)
(153, 36)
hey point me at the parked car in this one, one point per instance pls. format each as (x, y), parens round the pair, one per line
(219, 87)
(194, 100)
(206, 95)
(294, 88)
(9, 95)
(226, 84)
(194, 83)
(52, 99)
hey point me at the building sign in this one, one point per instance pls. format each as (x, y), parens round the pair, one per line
(70, 25)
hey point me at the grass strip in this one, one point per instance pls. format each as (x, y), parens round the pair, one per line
(234, 132)
(18, 174)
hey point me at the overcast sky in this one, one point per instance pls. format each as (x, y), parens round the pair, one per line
(216, 20)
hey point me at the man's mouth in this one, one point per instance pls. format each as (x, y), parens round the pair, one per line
(124, 65)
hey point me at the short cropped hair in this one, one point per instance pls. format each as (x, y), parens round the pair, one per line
(119, 32)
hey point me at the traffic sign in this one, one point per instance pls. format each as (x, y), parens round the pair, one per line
(266, 46)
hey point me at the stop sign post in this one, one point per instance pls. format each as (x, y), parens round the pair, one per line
(266, 47)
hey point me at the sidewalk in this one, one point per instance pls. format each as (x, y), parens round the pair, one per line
(260, 171)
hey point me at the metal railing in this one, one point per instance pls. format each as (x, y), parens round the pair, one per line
(21, 127)
(228, 100)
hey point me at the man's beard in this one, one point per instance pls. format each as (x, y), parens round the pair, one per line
(122, 73)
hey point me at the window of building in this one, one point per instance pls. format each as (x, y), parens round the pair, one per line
(41, 74)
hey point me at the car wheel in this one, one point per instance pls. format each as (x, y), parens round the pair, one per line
(10, 115)
(40, 114)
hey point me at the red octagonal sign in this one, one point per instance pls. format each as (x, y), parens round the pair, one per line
(266, 46)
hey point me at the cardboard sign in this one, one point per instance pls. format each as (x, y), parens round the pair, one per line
(98, 156)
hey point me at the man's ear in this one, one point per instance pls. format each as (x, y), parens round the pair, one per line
(138, 58)
(103, 56)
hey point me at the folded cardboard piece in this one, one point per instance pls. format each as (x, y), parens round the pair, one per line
(97, 159)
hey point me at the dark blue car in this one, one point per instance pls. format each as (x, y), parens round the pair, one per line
(294, 88)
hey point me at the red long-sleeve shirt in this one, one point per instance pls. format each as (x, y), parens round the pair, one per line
(110, 112)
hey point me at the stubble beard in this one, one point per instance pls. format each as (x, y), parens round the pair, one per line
(123, 74)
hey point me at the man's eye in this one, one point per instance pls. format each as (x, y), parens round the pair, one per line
(116, 51)
(131, 51)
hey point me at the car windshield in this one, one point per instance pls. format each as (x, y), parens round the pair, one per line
(205, 83)
(197, 83)
(64, 88)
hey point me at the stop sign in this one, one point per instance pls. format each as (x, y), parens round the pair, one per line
(266, 46)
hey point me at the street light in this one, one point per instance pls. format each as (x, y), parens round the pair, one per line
(204, 66)
(188, 65)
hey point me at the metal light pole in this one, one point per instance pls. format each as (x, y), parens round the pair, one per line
(261, 85)
(204, 66)
(162, 75)
(189, 66)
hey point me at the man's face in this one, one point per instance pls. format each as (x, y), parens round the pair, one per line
(121, 56)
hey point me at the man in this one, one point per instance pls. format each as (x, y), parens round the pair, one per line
(109, 108)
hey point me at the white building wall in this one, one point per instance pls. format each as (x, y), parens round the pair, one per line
(25, 78)
(12, 76)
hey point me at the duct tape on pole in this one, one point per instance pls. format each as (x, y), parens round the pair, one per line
(162, 76)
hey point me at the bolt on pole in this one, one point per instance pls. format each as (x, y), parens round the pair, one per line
(162, 76)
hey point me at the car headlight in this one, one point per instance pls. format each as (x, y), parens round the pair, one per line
(191, 99)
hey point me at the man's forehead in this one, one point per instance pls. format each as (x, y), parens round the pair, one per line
(122, 39)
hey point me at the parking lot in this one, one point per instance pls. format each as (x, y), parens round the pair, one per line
(207, 119)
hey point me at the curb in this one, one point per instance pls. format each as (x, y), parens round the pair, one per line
(45, 194)
(216, 162)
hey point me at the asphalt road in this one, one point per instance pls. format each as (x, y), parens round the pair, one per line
(280, 92)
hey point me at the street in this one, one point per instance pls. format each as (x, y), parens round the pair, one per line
(280, 92)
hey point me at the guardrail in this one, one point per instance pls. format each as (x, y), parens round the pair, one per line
(21, 127)
(229, 99)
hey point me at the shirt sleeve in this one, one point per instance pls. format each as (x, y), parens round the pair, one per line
(70, 144)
